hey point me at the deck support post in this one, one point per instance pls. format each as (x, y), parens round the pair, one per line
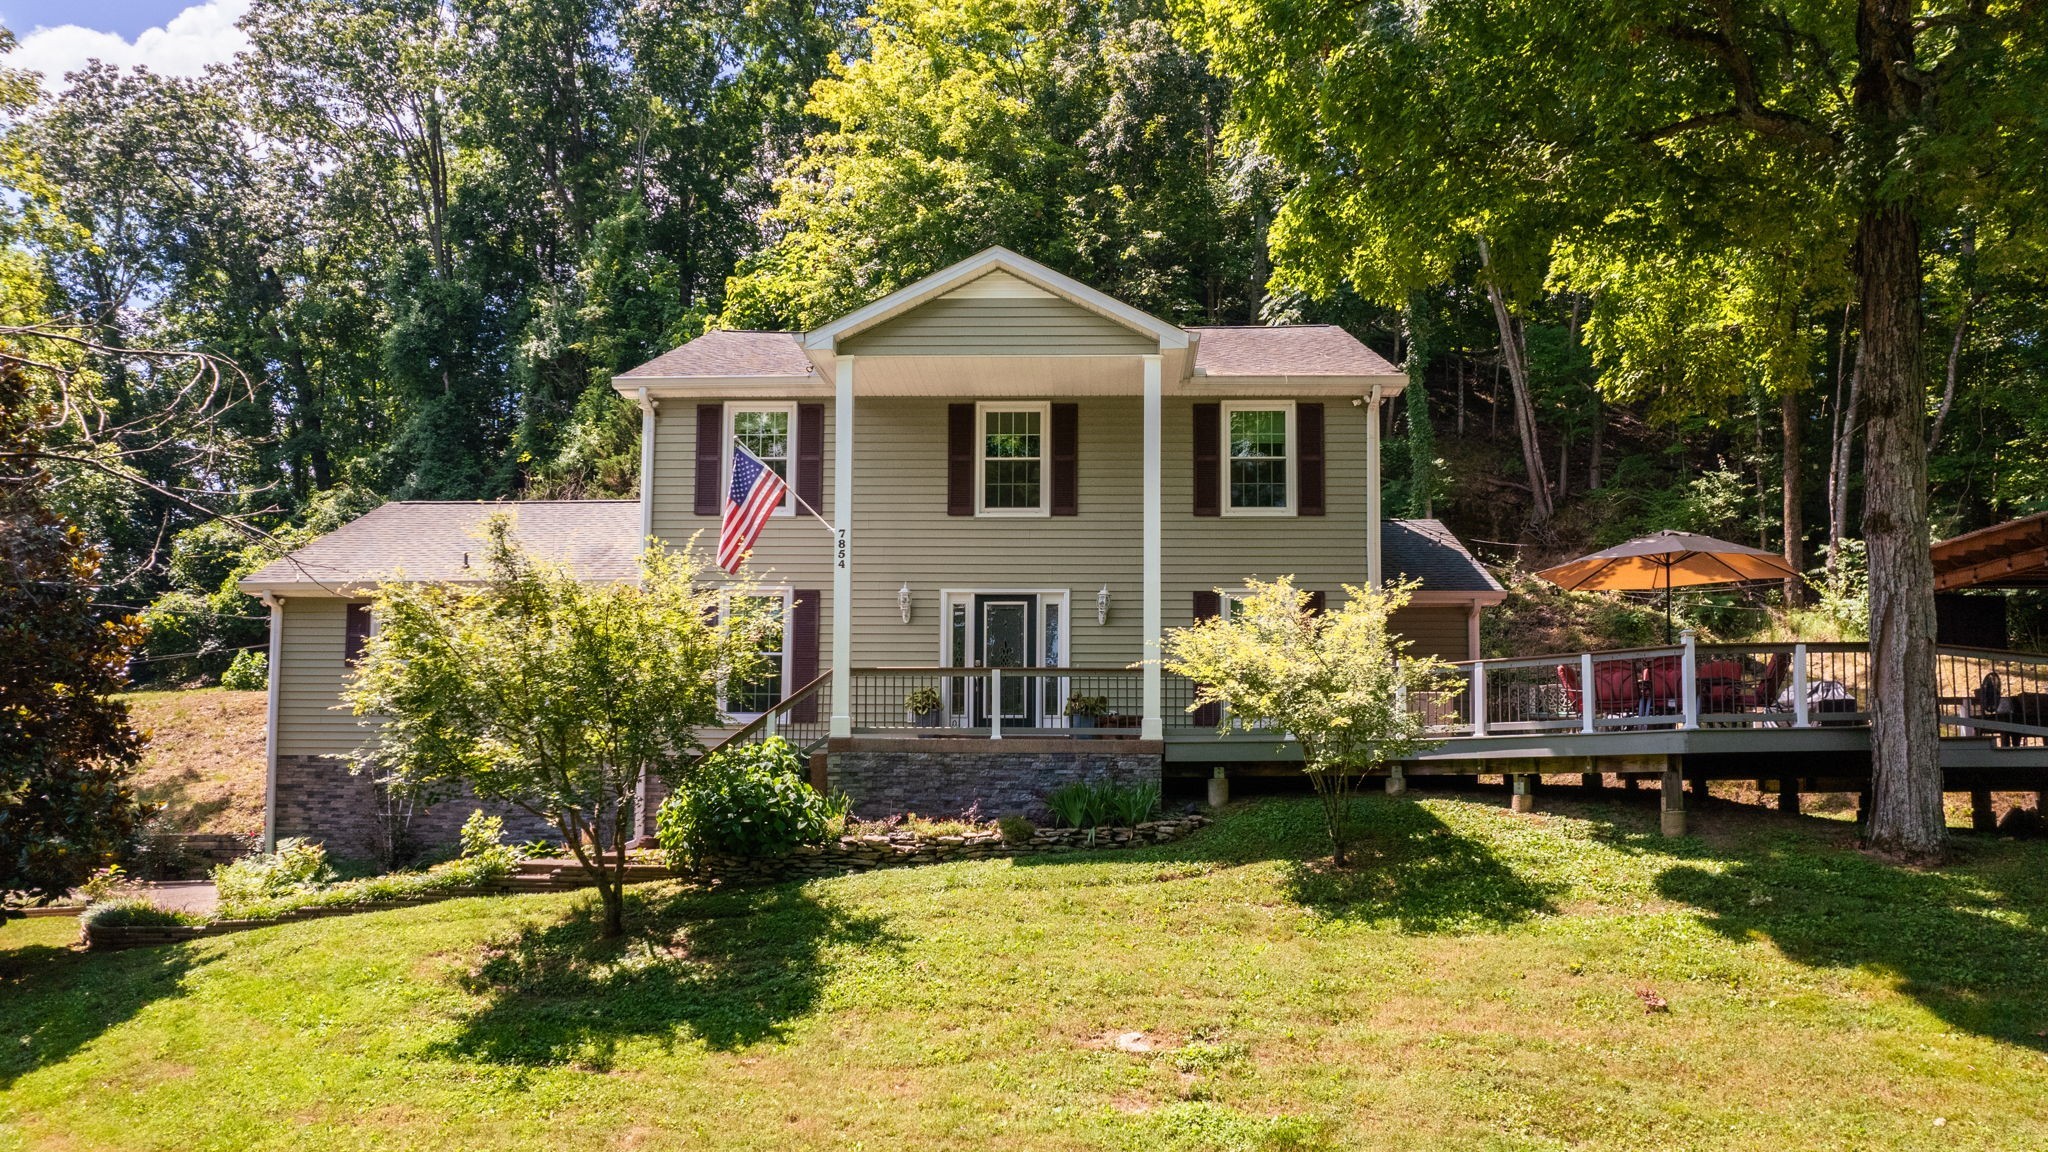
(842, 550)
(1802, 713)
(1523, 799)
(1397, 781)
(1982, 817)
(1671, 803)
(1788, 795)
(1689, 673)
(1628, 783)
(1586, 694)
(1479, 697)
(1152, 726)
(1592, 781)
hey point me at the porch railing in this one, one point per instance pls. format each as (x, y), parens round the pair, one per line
(999, 702)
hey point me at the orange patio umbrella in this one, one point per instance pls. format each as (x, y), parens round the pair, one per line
(1667, 560)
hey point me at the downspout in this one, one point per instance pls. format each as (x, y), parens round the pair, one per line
(1373, 528)
(646, 467)
(276, 606)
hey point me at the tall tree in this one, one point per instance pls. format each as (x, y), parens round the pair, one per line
(1737, 131)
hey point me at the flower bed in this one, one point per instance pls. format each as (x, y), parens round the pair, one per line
(858, 853)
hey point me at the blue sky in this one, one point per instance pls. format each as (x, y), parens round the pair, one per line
(173, 37)
(124, 18)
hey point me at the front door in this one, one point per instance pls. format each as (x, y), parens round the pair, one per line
(1004, 626)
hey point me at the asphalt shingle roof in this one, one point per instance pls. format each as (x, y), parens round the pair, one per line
(1425, 550)
(430, 539)
(720, 352)
(1286, 350)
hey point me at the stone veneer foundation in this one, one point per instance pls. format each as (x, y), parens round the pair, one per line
(318, 798)
(943, 775)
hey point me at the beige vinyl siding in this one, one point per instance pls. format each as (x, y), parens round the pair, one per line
(1443, 632)
(901, 533)
(1322, 553)
(998, 326)
(310, 676)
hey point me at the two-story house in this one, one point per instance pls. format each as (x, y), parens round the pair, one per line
(1018, 484)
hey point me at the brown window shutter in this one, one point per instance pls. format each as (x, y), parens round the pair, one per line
(1308, 429)
(355, 631)
(1318, 602)
(1208, 459)
(803, 651)
(710, 454)
(960, 460)
(1208, 606)
(810, 455)
(1066, 460)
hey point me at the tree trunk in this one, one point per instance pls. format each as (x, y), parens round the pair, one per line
(1847, 419)
(1792, 482)
(1906, 814)
(1422, 478)
(1593, 451)
(1948, 389)
(1514, 355)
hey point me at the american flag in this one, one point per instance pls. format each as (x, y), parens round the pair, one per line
(755, 492)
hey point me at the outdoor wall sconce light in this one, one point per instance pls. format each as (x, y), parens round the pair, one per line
(903, 601)
(1102, 605)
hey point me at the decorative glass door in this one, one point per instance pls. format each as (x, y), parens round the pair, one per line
(1004, 627)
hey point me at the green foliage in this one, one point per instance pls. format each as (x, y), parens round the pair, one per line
(538, 690)
(133, 912)
(249, 671)
(1540, 618)
(1339, 682)
(457, 875)
(480, 833)
(105, 884)
(746, 801)
(1093, 707)
(1843, 584)
(1016, 829)
(296, 865)
(922, 701)
(67, 751)
(1102, 803)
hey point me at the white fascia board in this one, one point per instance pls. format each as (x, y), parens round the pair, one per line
(1203, 384)
(826, 339)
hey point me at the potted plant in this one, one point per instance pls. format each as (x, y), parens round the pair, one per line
(1085, 711)
(923, 704)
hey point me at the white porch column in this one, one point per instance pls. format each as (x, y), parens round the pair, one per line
(1372, 490)
(1153, 726)
(646, 467)
(842, 551)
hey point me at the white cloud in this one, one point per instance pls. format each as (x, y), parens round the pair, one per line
(200, 35)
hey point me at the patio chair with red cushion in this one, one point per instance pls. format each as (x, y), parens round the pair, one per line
(1664, 680)
(1720, 686)
(1765, 694)
(1617, 691)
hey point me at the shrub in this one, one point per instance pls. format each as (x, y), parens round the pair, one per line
(1016, 829)
(920, 701)
(747, 801)
(466, 872)
(105, 885)
(249, 671)
(132, 912)
(483, 843)
(1092, 804)
(297, 865)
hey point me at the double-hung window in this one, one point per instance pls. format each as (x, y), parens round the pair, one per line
(1258, 451)
(769, 432)
(763, 690)
(1013, 440)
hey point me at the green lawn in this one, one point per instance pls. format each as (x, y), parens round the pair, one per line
(1479, 985)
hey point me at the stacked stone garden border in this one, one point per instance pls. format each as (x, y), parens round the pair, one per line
(898, 849)
(847, 854)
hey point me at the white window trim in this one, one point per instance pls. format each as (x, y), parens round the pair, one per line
(1293, 456)
(788, 596)
(981, 410)
(732, 413)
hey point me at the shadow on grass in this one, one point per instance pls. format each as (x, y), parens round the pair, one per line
(1409, 870)
(1967, 941)
(728, 968)
(54, 1000)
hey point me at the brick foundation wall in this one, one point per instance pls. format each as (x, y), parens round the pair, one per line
(320, 799)
(939, 777)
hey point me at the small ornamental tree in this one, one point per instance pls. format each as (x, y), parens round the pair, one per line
(550, 694)
(67, 751)
(1339, 682)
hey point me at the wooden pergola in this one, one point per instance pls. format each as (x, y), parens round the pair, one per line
(2009, 555)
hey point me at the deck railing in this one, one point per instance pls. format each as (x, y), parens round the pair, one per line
(1980, 693)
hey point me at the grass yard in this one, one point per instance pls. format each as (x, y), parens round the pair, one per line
(1482, 984)
(204, 760)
